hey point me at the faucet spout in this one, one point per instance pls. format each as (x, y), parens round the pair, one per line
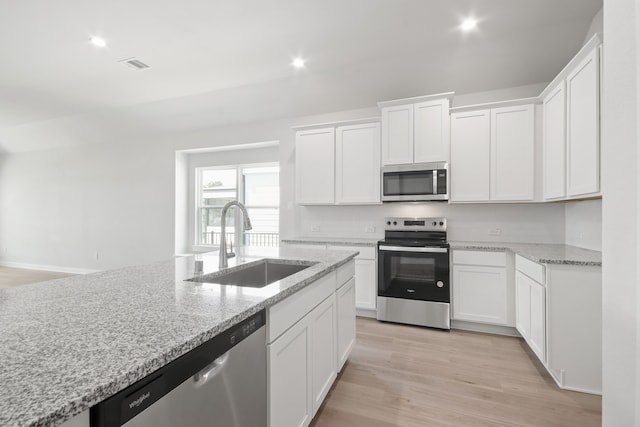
(223, 225)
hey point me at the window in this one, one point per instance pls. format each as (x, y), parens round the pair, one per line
(256, 186)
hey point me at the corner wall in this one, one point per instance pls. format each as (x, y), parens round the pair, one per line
(620, 239)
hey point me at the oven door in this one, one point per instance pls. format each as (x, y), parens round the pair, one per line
(416, 273)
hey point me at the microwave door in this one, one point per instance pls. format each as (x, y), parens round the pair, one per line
(409, 185)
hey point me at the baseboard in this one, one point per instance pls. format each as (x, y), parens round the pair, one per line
(364, 312)
(483, 327)
(40, 267)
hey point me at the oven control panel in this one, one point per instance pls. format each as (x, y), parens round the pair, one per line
(415, 224)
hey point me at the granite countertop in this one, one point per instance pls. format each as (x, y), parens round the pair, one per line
(544, 253)
(70, 343)
(338, 241)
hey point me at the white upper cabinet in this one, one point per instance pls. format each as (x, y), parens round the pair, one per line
(397, 135)
(338, 163)
(415, 130)
(493, 153)
(315, 154)
(431, 131)
(470, 159)
(571, 128)
(583, 127)
(512, 153)
(358, 164)
(553, 144)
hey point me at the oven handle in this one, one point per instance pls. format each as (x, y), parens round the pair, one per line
(413, 249)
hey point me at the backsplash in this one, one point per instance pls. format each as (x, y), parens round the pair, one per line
(536, 223)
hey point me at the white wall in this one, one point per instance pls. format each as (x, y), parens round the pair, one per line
(583, 224)
(620, 293)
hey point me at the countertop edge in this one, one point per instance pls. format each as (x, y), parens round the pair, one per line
(513, 247)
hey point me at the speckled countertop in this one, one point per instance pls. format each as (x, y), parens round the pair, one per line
(544, 253)
(70, 343)
(337, 241)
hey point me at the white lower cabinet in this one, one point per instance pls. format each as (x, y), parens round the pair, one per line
(559, 314)
(366, 286)
(290, 400)
(481, 289)
(531, 313)
(307, 334)
(346, 306)
(323, 350)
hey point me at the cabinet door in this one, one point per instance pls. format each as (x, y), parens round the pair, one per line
(537, 337)
(323, 350)
(480, 294)
(431, 131)
(366, 289)
(583, 127)
(512, 153)
(346, 301)
(554, 144)
(523, 305)
(358, 164)
(397, 135)
(315, 158)
(290, 403)
(470, 159)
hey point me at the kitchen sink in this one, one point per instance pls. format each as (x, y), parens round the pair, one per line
(256, 274)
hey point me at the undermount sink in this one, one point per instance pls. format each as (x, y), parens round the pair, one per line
(255, 275)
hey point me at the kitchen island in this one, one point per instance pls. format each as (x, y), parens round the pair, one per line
(70, 343)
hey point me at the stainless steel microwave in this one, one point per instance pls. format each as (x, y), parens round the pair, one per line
(415, 182)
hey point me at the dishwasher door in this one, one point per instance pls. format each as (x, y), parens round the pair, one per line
(230, 391)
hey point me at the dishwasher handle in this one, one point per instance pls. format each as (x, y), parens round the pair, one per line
(210, 371)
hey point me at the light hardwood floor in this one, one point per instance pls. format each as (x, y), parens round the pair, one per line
(404, 376)
(409, 376)
(10, 277)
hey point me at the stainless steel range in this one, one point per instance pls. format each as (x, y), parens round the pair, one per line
(413, 272)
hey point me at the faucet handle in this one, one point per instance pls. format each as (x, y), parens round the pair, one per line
(230, 254)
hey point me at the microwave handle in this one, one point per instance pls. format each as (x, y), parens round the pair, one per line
(434, 188)
(413, 249)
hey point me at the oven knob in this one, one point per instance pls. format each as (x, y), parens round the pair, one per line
(388, 222)
(395, 222)
(435, 223)
(441, 223)
(439, 284)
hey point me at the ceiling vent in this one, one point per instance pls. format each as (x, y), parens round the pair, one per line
(134, 63)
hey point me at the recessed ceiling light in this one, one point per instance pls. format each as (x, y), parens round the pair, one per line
(98, 41)
(298, 63)
(469, 24)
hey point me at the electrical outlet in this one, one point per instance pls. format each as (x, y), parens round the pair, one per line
(370, 229)
(494, 232)
(315, 228)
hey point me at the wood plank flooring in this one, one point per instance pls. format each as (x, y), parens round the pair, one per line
(10, 277)
(407, 376)
(404, 376)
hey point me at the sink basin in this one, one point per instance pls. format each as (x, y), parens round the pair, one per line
(255, 275)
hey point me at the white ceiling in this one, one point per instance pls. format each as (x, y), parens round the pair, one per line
(213, 56)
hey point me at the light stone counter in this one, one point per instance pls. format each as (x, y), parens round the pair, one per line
(336, 241)
(543, 253)
(70, 343)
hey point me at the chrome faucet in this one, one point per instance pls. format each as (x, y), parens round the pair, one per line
(223, 224)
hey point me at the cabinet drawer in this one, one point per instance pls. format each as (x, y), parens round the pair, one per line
(344, 273)
(287, 312)
(532, 269)
(493, 259)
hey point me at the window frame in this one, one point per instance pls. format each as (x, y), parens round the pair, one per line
(240, 196)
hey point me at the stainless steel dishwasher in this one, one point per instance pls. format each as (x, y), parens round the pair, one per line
(221, 383)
